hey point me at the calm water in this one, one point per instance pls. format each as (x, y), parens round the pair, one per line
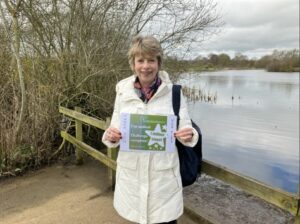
(257, 132)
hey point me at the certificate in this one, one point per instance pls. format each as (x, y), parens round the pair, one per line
(147, 132)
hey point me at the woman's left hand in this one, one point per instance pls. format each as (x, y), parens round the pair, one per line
(185, 134)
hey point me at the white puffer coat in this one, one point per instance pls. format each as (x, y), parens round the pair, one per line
(148, 184)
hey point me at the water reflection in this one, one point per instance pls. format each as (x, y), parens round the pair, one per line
(287, 87)
(253, 163)
(254, 126)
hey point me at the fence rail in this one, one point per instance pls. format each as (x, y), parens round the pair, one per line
(287, 201)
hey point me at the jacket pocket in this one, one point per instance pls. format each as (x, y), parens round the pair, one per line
(164, 161)
(127, 160)
(165, 175)
(127, 173)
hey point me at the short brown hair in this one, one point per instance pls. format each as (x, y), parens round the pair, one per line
(146, 46)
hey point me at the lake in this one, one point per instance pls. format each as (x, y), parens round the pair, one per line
(253, 125)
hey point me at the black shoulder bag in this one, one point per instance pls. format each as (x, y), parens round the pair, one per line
(190, 158)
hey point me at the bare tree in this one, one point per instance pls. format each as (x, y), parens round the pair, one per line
(13, 9)
(74, 51)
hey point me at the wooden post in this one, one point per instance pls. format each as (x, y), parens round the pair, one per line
(111, 153)
(79, 136)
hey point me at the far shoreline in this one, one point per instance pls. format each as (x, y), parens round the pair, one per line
(237, 69)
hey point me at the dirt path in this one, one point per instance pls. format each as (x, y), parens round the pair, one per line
(59, 194)
(82, 195)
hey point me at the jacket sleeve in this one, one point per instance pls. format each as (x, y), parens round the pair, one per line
(115, 121)
(185, 122)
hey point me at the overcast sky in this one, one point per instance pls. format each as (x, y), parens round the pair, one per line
(254, 28)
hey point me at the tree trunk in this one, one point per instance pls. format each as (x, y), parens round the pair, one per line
(15, 45)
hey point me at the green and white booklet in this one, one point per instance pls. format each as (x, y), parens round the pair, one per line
(147, 132)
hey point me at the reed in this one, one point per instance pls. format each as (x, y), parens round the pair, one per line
(199, 95)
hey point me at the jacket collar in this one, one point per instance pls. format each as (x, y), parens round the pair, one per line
(166, 85)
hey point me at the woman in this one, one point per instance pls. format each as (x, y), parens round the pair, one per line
(148, 185)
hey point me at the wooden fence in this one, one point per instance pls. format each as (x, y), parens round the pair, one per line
(287, 201)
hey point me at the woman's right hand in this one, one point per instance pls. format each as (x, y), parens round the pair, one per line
(113, 135)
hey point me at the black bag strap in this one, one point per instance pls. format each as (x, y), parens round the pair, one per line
(176, 99)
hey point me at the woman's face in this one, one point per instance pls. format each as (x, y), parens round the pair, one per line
(146, 68)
